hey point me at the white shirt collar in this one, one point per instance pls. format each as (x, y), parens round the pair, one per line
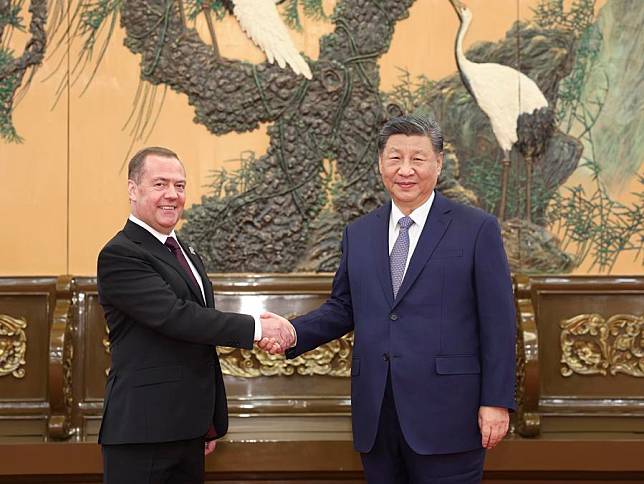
(161, 237)
(418, 215)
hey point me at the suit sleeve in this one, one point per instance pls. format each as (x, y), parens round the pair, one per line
(131, 288)
(497, 318)
(331, 320)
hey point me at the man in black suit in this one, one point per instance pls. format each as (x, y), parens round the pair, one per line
(165, 401)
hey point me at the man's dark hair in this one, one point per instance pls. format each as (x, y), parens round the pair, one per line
(135, 166)
(411, 125)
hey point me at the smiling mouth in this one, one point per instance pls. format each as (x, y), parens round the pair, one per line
(168, 208)
(405, 184)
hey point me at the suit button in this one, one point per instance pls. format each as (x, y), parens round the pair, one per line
(393, 316)
(385, 356)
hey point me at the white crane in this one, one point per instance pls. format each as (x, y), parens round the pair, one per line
(501, 92)
(262, 23)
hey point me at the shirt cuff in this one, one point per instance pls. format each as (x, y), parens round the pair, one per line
(258, 329)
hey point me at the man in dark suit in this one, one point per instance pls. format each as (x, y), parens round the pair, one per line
(424, 284)
(165, 401)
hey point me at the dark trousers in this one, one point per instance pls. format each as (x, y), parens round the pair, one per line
(392, 461)
(180, 462)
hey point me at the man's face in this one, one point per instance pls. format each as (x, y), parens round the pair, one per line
(409, 167)
(159, 197)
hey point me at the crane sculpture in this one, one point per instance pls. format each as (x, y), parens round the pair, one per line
(503, 94)
(261, 22)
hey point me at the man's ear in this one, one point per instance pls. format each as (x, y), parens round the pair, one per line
(380, 164)
(131, 190)
(439, 162)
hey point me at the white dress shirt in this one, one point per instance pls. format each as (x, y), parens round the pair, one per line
(419, 216)
(162, 238)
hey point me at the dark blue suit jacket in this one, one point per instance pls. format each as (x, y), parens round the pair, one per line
(448, 337)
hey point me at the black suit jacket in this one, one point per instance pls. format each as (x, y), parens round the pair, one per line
(165, 382)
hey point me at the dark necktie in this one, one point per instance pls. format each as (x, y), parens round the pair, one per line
(174, 247)
(398, 256)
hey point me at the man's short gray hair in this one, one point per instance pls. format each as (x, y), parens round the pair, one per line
(411, 125)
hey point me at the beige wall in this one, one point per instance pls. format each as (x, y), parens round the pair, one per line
(64, 193)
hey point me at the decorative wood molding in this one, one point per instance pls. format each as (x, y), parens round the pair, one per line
(272, 283)
(527, 420)
(106, 346)
(331, 359)
(594, 345)
(13, 346)
(61, 354)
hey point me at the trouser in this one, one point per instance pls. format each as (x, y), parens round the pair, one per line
(392, 461)
(179, 462)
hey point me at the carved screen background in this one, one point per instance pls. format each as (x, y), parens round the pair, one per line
(73, 150)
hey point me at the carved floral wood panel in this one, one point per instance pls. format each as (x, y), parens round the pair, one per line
(593, 345)
(13, 346)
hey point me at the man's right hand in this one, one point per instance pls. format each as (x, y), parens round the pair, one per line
(278, 333)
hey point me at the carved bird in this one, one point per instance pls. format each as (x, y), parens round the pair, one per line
(262, 23)
(501, 92)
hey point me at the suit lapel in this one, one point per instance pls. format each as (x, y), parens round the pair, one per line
(141, 236)
(196, 261)
(437, 222)
(380, 241)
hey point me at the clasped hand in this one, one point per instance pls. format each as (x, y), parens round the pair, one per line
(278, 333)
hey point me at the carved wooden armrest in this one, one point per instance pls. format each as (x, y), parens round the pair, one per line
(61, 352)
(527, 420)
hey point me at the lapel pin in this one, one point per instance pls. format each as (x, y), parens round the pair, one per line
(192, 251)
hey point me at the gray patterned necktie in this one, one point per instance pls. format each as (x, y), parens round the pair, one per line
(398, 256)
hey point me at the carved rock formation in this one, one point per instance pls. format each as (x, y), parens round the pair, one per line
(532, 249)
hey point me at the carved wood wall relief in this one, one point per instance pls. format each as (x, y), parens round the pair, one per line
(594, 345)
(68, 355)
(331, 359)
(13, 346)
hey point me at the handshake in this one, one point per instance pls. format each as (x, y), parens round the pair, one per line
(278, 333)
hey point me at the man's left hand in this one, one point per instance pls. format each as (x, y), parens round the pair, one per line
(210, 447)
(494, 423)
